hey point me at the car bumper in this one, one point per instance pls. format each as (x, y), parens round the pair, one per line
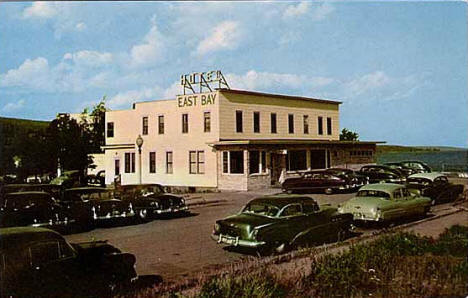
(52, 224)
(365, 217)
(235, 241)
(170, 210)
(110, 216)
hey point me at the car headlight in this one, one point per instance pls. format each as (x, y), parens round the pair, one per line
(254, 233)
(216, 227)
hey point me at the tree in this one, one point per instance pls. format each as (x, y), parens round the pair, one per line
(348, 135)
(94, 125)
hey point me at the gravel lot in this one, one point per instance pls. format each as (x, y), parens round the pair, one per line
(177, 248)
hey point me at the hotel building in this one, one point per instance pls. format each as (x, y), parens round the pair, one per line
(227, 140)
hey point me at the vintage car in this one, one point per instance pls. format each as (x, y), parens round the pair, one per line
(417, 166)
(406, 171)
(150, 200)
(356, 179)
(99, 179)
(382, 173)
(277, 223)
(435, 186)
(99, 202)
(54, 190)
(68, 179)
(36, 209)
(38, 262)
(384, 202)
(319, 180)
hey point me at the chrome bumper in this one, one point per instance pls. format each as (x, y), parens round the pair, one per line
(235, 241)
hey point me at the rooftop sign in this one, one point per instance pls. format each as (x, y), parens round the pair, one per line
(203, 80)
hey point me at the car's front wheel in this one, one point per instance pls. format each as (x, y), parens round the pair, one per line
(143, 214)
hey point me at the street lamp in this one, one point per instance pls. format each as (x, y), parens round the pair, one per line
(139, 143)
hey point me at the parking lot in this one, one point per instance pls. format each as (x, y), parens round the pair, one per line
(180, 247)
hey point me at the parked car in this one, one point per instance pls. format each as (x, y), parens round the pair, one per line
(54, 190)
(435, 186)
(406, 171)
(38, 262)
(382, 173)
(279, 222)
(384, 202)
(96, 180)
(356, 179)
(318, 180)
(33, 208)
(417, 166)
(151, 200)
(98, 202)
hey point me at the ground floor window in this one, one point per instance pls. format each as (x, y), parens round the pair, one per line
(257, 162)
(169, 164)
(196, 162)
(117, 167)
(130, 162)
(233, 162)
(296, 160)
(152, 162)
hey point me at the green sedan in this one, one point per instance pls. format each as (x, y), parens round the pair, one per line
(278, 222)
(385, 202)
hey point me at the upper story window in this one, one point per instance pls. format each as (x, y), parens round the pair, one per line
(184, 123)
(152, 162)
(161, 124)
(256, 122)
(110, 129)
(169, 164)
(320, 126)
(207, 122)
(145, 126)
(291, 123)
(329, 126)
(239, 121)
(306, 124)
(273, 123)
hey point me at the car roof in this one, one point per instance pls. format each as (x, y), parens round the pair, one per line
(431, 176)
(385, 187)
(27, 193)
(281, 200)
(13, 238)
(87, 188)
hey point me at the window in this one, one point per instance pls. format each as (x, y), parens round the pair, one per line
(306, 124)
(117, 167)
(320, 125)
(43, 253)
(292, 210)
(256, 121)
(207, 122)
(239, 126)
(254, 162)
(110, 129)
(273, 122)
(152, 162)
(161, 124)
(263, 164)
(297, 160)
(169, 165)
(329, 126)
(196, 162)
(130, 162)
(291, 123)
(145, 126)
(236, 162)
(225, 162)
(184, 123)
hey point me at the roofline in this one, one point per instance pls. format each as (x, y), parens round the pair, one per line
(245, 92)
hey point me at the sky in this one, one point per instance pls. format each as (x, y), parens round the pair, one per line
(400, 68)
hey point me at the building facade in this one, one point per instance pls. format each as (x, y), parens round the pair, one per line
(227, 139)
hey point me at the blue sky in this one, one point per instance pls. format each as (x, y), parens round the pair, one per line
(400, 68)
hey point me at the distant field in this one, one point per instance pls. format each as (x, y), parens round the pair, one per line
(440, 159)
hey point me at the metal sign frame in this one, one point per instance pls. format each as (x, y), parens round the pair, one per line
(203, 80)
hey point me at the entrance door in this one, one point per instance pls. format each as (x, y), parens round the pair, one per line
(277, 163)
(317, 159)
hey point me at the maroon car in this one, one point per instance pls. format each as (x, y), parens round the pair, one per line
(321, 180)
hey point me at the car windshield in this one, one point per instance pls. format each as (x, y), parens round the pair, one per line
(373, 193)
(422, 181)
(261, 209)
(86, 196)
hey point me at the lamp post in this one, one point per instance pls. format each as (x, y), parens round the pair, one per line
(139, 143)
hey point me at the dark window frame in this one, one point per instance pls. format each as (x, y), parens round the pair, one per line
(161, 124)
(273, 123)
(320, 125)
(239, 121)
(329, 126)
(207, 122)
(152, 162)
(256, 122)
(291, 123)
(305, 122)
(144, 124)
(185, 123)
(110, 129)
(169, 163)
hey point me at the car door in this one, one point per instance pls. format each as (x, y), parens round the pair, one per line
(397, 207)
(293, 221)
(412, 205)
(315, 228)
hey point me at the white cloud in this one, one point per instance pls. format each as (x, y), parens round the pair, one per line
(128, 97)
(225, 35)
(33, 74)
(151, 50)
(41, 10)
(13, 106)
(293, 11)
(367, 83)
(89, 58)
(80, 27)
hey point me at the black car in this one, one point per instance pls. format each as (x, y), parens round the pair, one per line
(417, 166)
(99, 202)
(38, 262)
(435, 186)
(54, 190)
(319, 180)
(99, 179)
(381, 173)
(36, 209)
(405, 170)
(355, 178)
(151, 200)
